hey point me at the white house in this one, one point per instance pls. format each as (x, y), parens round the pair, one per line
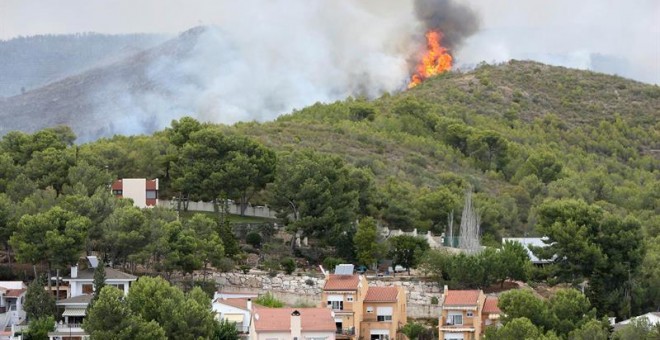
(12, 297)
(293, 324)
(143, 192)
(530, 241)
(236, 310)
(653, 318)
(81, 291)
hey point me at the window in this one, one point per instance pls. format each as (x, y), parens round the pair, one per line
(455, 319)
(384, 318)
(87, 288)
(117, 192)
(349, 298)
(337, 305)
(151, 194)
(370, 309)
(469, 314)
(384, 313)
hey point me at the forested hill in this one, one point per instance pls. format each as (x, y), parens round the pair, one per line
(567, 154)
(518, 132)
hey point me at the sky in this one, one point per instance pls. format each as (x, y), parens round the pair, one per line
(613, 36)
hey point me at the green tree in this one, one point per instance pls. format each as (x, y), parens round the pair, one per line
(365, 241)
(55, 237)
(591, 330)
(407, 250)
(436, 206)
(544, 165)
(513, 261)
(638, 328)
(111, 318)
(413, 330)
(122, 234)
(518, 329)
(99, 280)
(38, 328)
(316, 189)
(516, 304)
(569, 310)
(210, 249)
(50, 167)
(225, 330)
(90, 176)
(39, 304)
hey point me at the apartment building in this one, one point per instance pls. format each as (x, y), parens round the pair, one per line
(466, 313)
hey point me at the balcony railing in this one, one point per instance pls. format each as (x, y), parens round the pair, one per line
(345, 331)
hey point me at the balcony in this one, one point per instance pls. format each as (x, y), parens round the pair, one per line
(345, 331)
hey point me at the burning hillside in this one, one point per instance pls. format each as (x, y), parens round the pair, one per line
(435, 61)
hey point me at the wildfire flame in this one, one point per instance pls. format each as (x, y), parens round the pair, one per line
(435, 61)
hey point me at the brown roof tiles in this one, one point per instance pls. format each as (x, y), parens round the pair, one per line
(342, 282)
(461, 297)
(490, 305)
(279, 319)
(382, 294)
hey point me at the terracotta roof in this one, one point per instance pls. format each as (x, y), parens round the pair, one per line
(239, 303)
(279, 319)
(461, 297)
(342, 282)
(117, 185)
(152, 184)
(490, 305)
(382, 294)
(15, 292)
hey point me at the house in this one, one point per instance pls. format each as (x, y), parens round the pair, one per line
(81, 291)
(528, 242)
(344, 293)
(465, 314)
(143, 192)
(236, 310)
(292, 324)
(653, 318)
(12, 297)
(384, 312)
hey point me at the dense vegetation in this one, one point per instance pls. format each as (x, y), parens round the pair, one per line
(571, 155)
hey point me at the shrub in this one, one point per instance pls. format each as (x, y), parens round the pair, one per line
(245, 268)
(253, 239)
(309, 282)
(269, 300)
(331, 262)
(289, 265)
(434, 300)
(226, 265)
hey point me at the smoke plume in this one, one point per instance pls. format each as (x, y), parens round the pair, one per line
(455, 20)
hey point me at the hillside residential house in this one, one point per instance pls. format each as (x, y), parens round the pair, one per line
(236, 310)
(12, 297)
(530, 241)
(360, 311)
(465, 314)
(143, 192)
(384, 313)
(344, 294)
(653, 318)
(292, 324)
(81, 290)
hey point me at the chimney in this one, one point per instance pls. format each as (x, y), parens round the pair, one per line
(74, 271)
(249, 304)
(446, 290)
(296, 324)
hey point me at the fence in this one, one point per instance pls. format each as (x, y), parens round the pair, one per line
(234, 208)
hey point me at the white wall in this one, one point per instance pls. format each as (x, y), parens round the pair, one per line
(135, 189)
(223, 309)
(76, 286)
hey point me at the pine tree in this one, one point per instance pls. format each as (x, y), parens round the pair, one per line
(99, 280)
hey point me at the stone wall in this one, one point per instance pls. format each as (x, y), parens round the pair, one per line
(306, 289)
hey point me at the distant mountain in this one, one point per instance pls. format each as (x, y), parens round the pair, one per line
(85, 101)
(27, 63)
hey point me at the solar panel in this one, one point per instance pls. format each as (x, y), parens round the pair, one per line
(344, 269)
(93, 261)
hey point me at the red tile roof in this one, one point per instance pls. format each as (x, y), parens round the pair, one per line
(490, 305)
(117, 185)
(382, 294)
(15, 292)
(152, 184)
(461, 297)
(279, 319)
(342, 282)
(240, 303)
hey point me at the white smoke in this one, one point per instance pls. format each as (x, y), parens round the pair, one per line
(266, 60)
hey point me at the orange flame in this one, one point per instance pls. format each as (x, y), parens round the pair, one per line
(435, 61)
